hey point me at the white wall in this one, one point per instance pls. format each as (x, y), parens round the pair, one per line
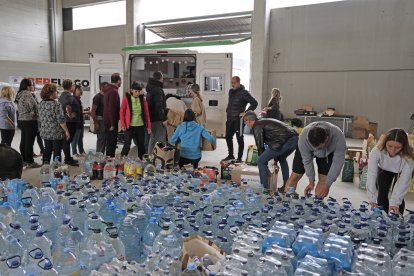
(356, 56)
(77, 44)
(24, 30)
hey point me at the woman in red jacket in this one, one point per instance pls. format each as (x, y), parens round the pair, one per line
(134, 117)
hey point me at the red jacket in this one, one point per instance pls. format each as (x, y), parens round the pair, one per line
(125, 113)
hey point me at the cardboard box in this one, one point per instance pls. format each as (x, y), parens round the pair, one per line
(359, 133)
(411, 140)
(360, 127)
(360, 122)
(373, 128)
(308, 107)
(206, 145)
(248, 176)
(198, 246)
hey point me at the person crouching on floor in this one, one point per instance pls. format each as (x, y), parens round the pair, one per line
(188, 134)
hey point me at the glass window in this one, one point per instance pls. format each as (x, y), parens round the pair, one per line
(101, 15)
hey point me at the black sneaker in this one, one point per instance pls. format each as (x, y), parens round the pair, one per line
(72, 162)
(239, 160)
(33, 165)
(229, 157)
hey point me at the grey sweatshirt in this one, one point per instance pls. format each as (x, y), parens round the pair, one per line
(336, 144)
(394, 164)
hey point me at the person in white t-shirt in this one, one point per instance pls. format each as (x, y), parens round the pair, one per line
(390, 166)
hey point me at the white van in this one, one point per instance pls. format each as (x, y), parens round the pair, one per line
(212, 71)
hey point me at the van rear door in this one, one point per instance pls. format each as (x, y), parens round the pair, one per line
(102, 66)
(213, 73)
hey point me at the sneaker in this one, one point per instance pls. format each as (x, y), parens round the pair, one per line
(229, 157)
(281, 190)
(33, 165)
(72, 162)
(239, 160)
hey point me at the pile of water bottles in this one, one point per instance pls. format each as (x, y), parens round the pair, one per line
(136, 225)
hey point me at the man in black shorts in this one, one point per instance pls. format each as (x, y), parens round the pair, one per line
(326, 143)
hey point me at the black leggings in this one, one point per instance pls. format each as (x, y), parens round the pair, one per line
(386, 180)
(184, 161)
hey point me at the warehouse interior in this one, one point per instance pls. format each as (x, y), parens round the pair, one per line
(353, 56)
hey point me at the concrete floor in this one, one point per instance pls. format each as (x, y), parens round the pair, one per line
(212, 158)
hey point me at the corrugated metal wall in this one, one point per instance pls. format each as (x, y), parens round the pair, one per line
(24, 30)
(356, 56)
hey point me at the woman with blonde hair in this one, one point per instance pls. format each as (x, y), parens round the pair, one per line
(7, 115)
(197, 105)
(390, 165)
(273, 107)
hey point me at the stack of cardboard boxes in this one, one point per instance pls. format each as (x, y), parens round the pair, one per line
(361, 128)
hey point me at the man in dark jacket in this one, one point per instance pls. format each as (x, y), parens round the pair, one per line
(236, 108)
(72, 117)
(274, 139)
(111, 113)
(158, 110)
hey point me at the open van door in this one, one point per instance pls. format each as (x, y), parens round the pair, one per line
(102, 66)
(213, 73)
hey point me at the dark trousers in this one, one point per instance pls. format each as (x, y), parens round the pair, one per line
(40, 142)
(66, 143)
(233, 126)
(279, 155)
(28, 136)
(111, 140)
(7, 136)
(54, 146)
(138, 134)
(386, 180)
(100, 137)
(184, 161)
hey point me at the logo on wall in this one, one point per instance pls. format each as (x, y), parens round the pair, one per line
(15, 80)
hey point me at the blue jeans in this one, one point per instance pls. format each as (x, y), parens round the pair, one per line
(279, 155)
(77, 141)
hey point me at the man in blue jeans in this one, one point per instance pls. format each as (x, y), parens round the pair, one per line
(280, 140)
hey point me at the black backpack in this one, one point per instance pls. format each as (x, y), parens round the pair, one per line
(11, 163)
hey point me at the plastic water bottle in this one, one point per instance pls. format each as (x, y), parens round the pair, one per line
(13, 247)
(48, 221)
(17, 232)
(46, 268)
(43, 243)
(44, 174)
(74, 241)
(109, 170)
(32, 193)
(131, 237)
(93, 222)
(107, 211)
(34, 256)
(14, 266)
(80, 216)
(116, 242)
(149, 235)
(7, 213)
(191, 270)
(67, 263)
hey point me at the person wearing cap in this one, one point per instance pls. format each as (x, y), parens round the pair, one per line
(134, 118)
(325, 142)
(281, 141)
